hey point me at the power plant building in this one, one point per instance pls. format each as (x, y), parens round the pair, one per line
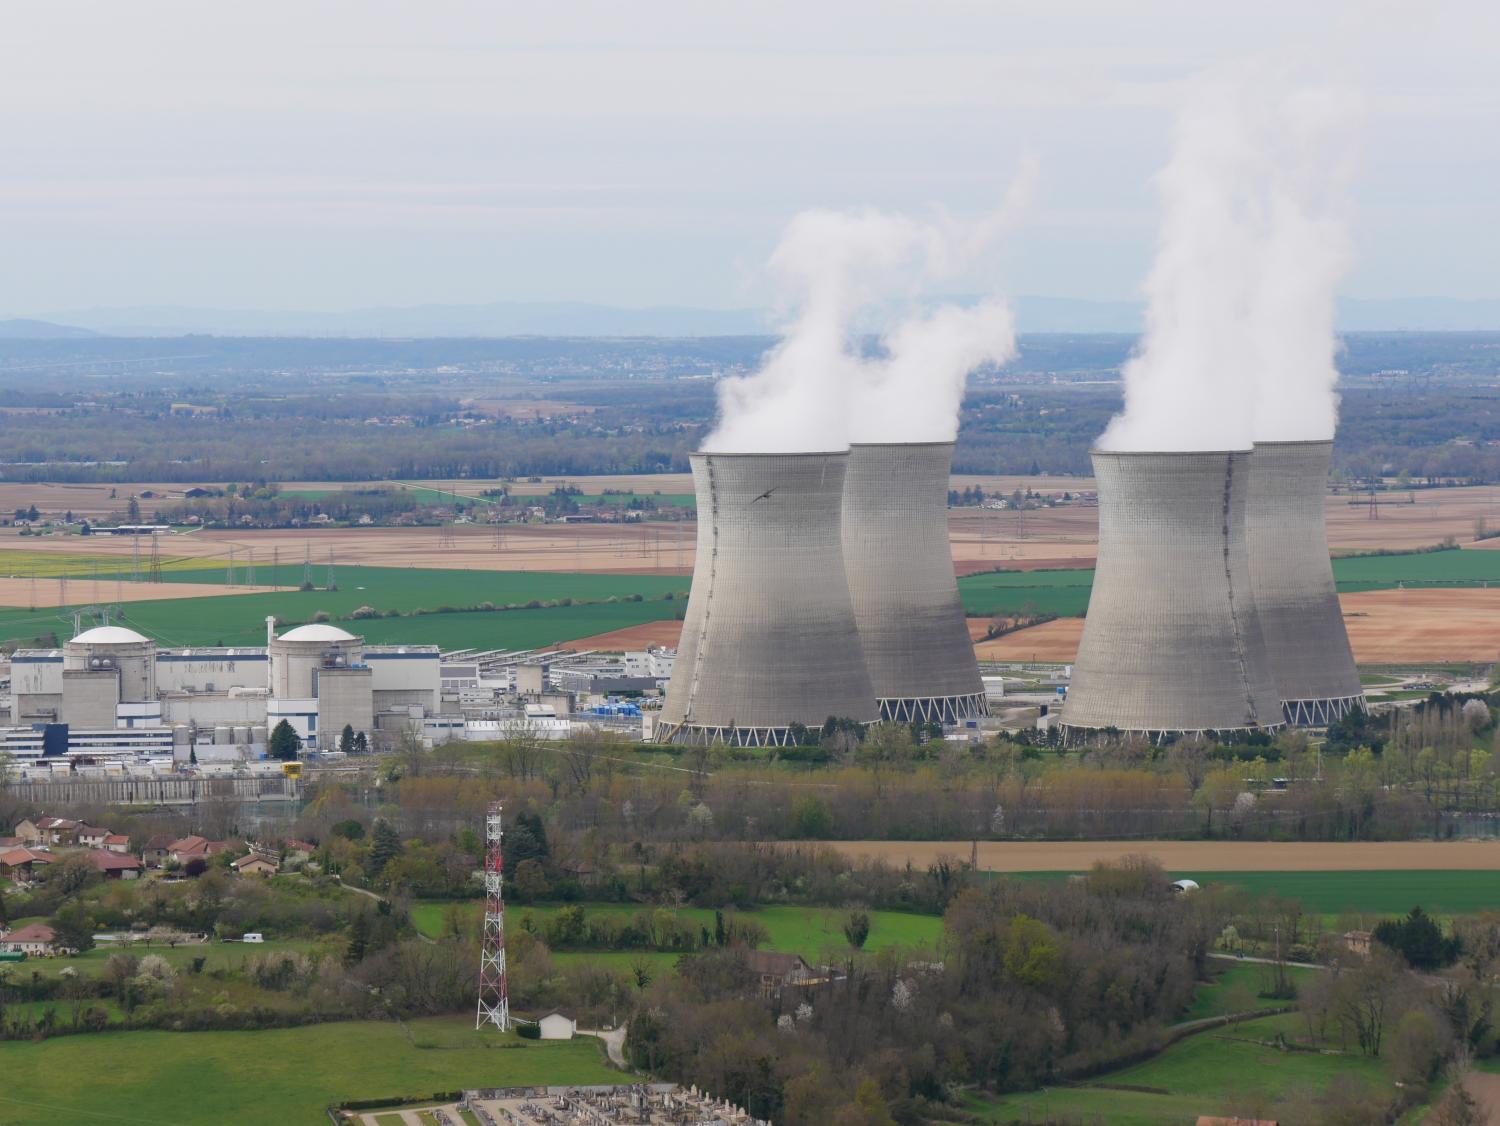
(1172, 642)
(1292, 579)
(900, 567)
(318, 677)
(769, 641)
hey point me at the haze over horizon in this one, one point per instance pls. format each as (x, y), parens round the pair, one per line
(339, 156)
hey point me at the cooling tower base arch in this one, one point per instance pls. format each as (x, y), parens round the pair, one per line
(699, 735)
(1319, 713)
(934, 709)
(1073, 736)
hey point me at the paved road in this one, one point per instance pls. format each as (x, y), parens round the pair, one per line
(1265, 961)
(614, 1043)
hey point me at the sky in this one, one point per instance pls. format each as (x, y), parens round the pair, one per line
(322, 155)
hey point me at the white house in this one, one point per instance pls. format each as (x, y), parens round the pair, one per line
(557, 1026)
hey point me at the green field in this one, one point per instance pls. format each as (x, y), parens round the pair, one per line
(1206, 1074)
(1236, 988)
(279, 1075)
(1376, 893)
(239, 619)
(1066, 593)
(808, 931)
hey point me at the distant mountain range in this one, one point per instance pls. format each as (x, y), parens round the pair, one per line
(23, 329)
(572, 318)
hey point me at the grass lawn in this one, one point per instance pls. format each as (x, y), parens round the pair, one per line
(1209, 1073)
(803, 930)
(279, 1075)
(1236, 989)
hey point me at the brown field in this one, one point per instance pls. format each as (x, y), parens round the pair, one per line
(664, 634)
(1385, 627)
(1196, 856)
(615, 548)
(51, 592)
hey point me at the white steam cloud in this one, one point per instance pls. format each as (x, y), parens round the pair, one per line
(815, 390)
(1239, 342)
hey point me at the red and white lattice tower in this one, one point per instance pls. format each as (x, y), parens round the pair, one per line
(494, 1001)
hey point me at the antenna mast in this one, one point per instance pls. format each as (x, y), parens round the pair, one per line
(494, 1000)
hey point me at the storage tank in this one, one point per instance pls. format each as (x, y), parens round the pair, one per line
(906, 605)
(259, 734)
(241, 735)
(1172, 642)
(1292, 579)
(769, 641)
(223, 733)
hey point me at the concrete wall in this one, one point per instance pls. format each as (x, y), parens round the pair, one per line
(344, 697)
(1292, 579)
(188, 672)
(1172, 641)
(90, 696)
(769, 638)
(906, 604)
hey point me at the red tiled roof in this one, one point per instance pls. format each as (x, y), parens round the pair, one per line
(161, 840)
(16, 856)
(32, 932)
(112, 861)
(117, 838)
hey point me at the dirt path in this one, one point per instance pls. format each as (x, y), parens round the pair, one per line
(1195, 856)
(1486, 1091)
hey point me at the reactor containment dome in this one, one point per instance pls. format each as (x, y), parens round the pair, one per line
(1172, 643)
(900, 568)
(769, 643)
(1292, 579)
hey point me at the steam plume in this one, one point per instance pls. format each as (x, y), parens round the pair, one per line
(1239, 337)
(815, 391)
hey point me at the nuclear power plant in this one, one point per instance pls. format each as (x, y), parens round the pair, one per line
(1292, 580)
(1172, 642)
(769, 642)
(900, 567)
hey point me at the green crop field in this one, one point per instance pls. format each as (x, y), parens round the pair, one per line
(1373, 893)
(238, 619)
(1205, 1074)
(802, 930)
(278, 1075)
(1066, 593)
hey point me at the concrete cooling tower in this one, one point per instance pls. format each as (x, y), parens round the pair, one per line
(769, 640)
(900, 569)
(1172, 643)
(1292, 581)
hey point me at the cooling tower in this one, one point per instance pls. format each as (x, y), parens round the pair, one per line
(769, 639)
(1292, 581)
(900, 569)
(1172, 642)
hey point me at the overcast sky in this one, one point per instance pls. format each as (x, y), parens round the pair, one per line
(317, 155)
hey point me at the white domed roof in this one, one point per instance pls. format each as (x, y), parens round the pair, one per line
(317, 631)
(108, 635)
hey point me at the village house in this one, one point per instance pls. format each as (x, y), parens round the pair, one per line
(117, 842)
(1358, 942)
(47, 831)
(194, 848)
(36, 940)
(158, 850)
(777, 971)
(90, 836)
(17, 864)
(254, 865)
(114, 866)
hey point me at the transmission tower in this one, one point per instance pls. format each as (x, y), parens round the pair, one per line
(155, 559)
(249, 568)
(307, 567)
(494, 1000)
(135, 559)
(330, 585)
(229, 575)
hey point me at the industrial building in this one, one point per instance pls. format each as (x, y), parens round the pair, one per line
(1172, 642)
(900, 568)
(113, 689)
(1292, 580)
(770, 640)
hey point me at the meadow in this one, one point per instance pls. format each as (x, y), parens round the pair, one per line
(808, 931)
(278, 1075)
(1216, 1072)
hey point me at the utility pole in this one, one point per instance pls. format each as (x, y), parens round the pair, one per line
(494, 999)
